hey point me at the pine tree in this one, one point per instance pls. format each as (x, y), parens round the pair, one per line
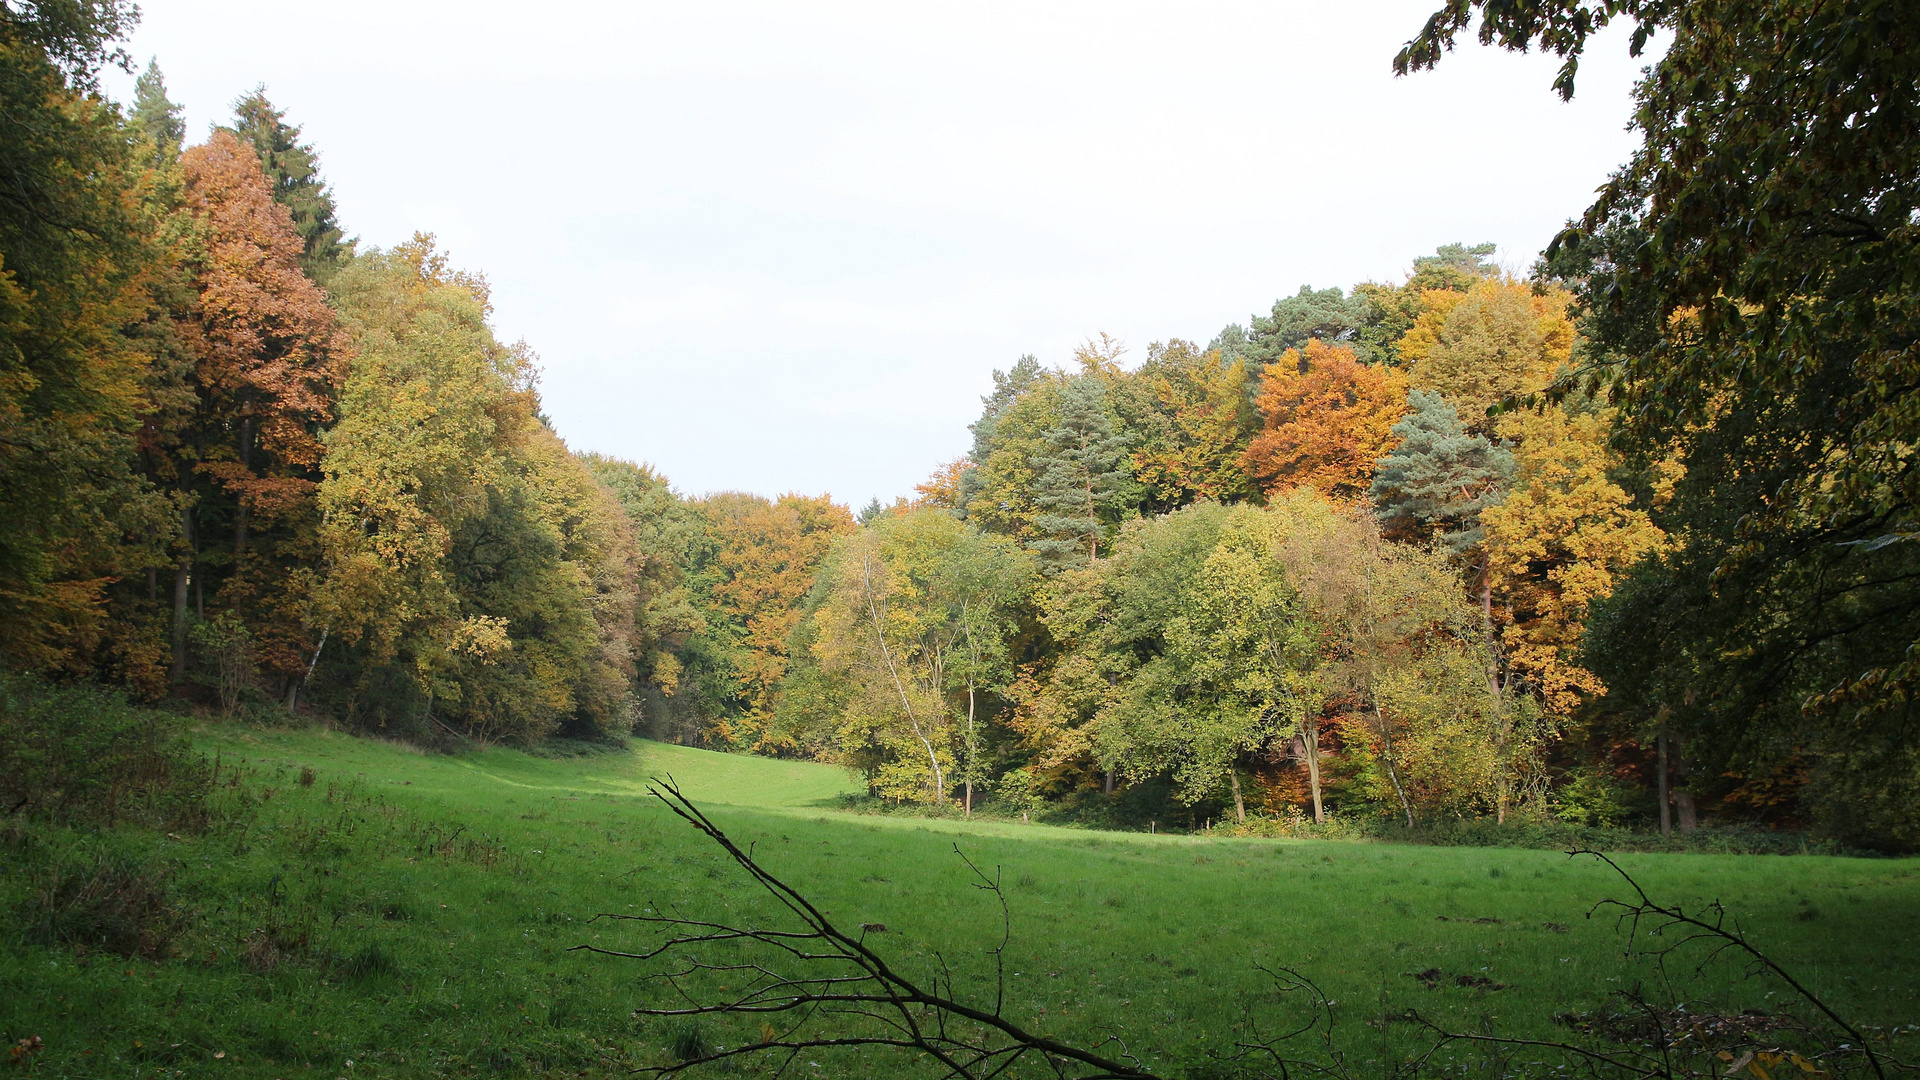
(293, 169)
(1328, 315)
(1080, 475)
(1439, 478)
(155, 116)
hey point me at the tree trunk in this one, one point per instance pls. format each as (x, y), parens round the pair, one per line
(1494, 689)
(1689, 814)
(293, 692)
(1683, 805)
(1386, 744)
(968, 810)
(1109, 783)
(182, 578)
(1239, 804)
(1093, 538)
(1313, 769)
(242, 514)
(1666, 808)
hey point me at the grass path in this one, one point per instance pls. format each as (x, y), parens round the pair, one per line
(423, 907)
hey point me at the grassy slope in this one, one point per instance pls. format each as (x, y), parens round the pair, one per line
(439, 895)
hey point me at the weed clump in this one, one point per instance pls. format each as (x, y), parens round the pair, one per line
(687, 1040)
(369, 962)
(102, 899)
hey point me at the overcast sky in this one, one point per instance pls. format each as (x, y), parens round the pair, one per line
(782, 246)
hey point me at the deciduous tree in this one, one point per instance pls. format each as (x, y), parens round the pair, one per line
(1327, 419)
(1498, 339)
(1558, 542)
(268, 360)
(81, 264)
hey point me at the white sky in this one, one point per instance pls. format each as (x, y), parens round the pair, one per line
(781, 246)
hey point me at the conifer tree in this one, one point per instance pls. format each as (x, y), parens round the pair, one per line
(155, 116)
(293, 169)
(1080, 475)
(1324, 314)
(1439, 478)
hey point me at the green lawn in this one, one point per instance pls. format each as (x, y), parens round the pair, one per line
(411, 914)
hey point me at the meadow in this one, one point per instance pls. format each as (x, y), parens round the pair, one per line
(373, 910)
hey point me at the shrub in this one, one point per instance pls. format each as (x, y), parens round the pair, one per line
(82, 755)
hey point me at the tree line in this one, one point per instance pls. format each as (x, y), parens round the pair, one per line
(1312, 563)
(1620, 539)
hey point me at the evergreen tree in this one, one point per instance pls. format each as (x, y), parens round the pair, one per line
(1440, 477)
(1080, 476)
(293, 169)
(1007, 388)
(155, 116)
(1454, 266)
(1329, 315)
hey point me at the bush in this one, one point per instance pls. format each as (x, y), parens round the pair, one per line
(81, 755)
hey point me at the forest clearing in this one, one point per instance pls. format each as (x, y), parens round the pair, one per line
(1496, 657)
(410, 914)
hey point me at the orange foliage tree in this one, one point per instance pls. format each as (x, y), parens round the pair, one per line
(1327, 418)
(268, 363)
(942, 489)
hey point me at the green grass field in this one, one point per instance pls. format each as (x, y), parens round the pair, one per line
(410, 915)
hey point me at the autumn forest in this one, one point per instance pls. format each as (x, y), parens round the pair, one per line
(1622, 538)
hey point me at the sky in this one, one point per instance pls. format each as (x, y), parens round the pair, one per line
(782, 246)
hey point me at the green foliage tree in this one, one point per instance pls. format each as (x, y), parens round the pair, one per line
(82, 262)
(887, 630)
(997, 488)
(1107, 619)
(158, 118)
(1328, 315)
(74, 38)
(1234, 669)
(1081, 476)
(471, 563)
(666, 531)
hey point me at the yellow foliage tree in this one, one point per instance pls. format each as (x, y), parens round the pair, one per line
(1197, 432)
(766, 556)
(1496, 340)
(1558, 542)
